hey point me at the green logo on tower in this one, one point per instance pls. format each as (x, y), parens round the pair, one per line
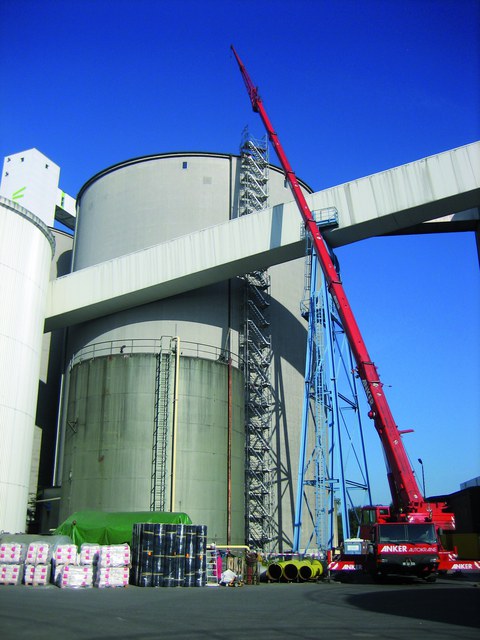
(18, 194)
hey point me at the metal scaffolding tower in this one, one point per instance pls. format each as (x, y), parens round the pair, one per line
(257, 356)
(332, 462)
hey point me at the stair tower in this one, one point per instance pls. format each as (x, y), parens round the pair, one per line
(255, 344)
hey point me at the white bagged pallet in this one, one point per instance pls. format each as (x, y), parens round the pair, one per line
(76, 576)
(12, 552)
(114, 555)
(38, 553)
(37, 575)
(112, 577)
(89, 553)
(11, 574)
(65, 554)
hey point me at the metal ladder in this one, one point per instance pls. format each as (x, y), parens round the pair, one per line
(160, 430)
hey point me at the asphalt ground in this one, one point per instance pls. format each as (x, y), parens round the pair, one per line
(407, 609)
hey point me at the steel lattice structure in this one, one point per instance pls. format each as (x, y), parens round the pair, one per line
(332, 463)
(257, 357)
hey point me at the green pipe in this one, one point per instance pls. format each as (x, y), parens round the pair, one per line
(282, 569)
(308, 569)
(291, 570)
(304, 569)
(274, 571)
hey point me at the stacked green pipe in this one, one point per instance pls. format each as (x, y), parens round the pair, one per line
(291, 570)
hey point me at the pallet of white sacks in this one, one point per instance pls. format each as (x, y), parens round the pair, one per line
(95, 565)
(11, 574)
(37, 575)
(41, 563)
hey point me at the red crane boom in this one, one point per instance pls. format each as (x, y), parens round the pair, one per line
(406, 495)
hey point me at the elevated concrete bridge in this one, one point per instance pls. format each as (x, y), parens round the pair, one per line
(441, 191)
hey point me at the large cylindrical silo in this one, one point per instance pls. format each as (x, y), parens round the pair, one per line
(151, 427)
(150, 200)
(26, 247)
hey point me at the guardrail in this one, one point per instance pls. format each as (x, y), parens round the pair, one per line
(153, 345)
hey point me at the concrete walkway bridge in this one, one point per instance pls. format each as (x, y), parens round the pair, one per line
(438, 193)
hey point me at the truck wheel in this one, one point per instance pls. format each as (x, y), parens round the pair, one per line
(431, 578)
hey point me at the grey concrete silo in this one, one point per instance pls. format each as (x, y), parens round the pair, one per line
(113, 386)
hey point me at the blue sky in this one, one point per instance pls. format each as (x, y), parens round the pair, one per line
(352, 88)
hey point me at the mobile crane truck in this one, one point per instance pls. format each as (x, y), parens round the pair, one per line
(405, 537)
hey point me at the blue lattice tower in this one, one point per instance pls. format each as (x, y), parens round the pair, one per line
(332, 471)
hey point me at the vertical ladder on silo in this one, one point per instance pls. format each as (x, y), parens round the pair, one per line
(160, 430)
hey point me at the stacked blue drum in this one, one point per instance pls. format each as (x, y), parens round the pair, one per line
(169, 555)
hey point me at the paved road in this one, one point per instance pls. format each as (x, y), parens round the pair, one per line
(448, 609)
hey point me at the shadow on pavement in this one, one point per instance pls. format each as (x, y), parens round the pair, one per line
(450, 606)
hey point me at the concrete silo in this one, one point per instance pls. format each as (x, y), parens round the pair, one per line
(31, 252)
(153, 413)
(26, 247)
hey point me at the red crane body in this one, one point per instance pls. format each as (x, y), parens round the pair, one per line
(408, 502)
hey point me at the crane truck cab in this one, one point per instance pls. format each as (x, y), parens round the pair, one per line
(397, 546)
(403, 549)
(389, 545)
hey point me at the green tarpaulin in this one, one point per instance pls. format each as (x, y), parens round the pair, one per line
(112, 528)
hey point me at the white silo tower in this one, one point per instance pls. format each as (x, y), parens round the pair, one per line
(29, 198)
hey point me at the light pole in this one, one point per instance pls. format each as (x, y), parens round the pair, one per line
(423, 476)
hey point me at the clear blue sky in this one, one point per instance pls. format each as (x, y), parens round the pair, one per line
(352, 88)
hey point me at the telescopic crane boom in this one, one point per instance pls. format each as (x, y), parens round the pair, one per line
(406, 495)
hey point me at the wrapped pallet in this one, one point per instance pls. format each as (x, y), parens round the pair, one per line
(64, 555)
(112, 577)
(39, 552)
(169, 555)
(75, 576)
(11, 574)
(12, 558)
(112, 566)
(12, 553)
(114, 555)
(89, 553)
(37, 575)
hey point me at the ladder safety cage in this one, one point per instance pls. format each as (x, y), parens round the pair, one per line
(162, 417)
